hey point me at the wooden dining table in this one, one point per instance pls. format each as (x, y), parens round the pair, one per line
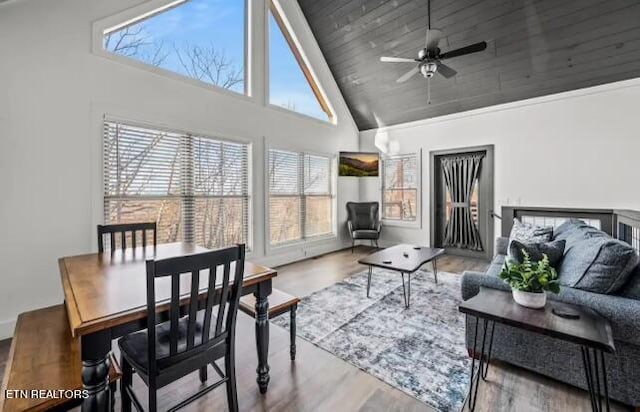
(106, 298)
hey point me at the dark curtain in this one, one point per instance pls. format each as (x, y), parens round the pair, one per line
(460, 176)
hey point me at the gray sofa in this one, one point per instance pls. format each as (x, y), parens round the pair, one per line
(560, 360)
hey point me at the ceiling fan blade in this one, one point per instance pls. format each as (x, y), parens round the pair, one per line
(433, 38)
(473, 48)
(407, 75)
(446, 71)
(397, 60)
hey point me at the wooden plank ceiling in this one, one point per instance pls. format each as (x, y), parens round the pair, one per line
(535, 48)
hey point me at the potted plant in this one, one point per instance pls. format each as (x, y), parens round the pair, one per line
(529, 280)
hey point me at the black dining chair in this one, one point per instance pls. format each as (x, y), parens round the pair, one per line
(122, 229)
(171, 350)
(363, 222)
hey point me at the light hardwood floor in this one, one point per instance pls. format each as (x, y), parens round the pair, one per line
(318, 381)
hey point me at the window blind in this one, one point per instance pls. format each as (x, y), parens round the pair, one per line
(300, 196)
(196, 188)
(400, 187)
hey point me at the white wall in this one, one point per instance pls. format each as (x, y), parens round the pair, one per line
(53, 94)
(575, 149)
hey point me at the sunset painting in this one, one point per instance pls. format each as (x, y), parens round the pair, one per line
(359, 164)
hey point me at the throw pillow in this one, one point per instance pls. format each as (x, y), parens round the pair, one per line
(598, 264)
(631, 289)
(563, 231)
(575, 231)
(554, 251)
(528, 233)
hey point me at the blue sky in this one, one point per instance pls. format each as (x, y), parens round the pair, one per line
(219, 25)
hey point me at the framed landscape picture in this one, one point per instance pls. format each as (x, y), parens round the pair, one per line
(360, 164)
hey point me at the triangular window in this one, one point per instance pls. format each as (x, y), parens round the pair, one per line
(199, 39)
(291, 82)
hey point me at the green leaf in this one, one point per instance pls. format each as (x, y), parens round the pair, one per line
(530, 276)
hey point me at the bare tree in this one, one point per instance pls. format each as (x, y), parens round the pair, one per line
(134, 41)
(206, 63)
(209, 64)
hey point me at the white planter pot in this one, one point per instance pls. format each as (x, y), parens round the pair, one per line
(529, 299)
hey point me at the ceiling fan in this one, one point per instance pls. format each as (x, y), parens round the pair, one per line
(430, 57)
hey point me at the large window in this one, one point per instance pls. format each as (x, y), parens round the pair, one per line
(291, 82)
(301, 196)
(199, 39)
(196, 188)
(400, 181)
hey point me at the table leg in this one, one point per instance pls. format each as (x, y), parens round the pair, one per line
(263, 290)
(95, 371)
(369, 280)
(406, 290)
(435, 269)
(594, 367)
(292, 333)
(483, 362)
(485, 371)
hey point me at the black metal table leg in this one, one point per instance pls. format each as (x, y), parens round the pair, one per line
(485, 371)
(596, 376)
(483, 361)
(263, 290)
(369, 279)
(435, 269)
(406, 289)
(292, 333)
(95, 349)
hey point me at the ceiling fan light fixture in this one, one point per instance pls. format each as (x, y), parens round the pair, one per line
(430, 57)
(428, 69)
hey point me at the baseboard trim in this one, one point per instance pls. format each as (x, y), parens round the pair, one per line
(7, 328)
(286, 257)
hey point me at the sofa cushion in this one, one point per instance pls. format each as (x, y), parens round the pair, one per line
(501, 246)
(528, 233)
(598, 264)
(562, 231)
(365, 234)
(574, 231)
(554, 251)
(631, 289)
(496, 266)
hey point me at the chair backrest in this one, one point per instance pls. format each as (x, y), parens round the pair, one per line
(122, 229)
(363, 215)
(226, 294)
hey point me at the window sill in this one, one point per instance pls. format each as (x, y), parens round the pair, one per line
(402, 224)
(329, 123)
(301, 243)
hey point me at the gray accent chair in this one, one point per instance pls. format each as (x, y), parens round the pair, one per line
(363, 222)
(557, 359)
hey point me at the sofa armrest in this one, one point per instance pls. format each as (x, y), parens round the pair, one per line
(623, 313)
(379, 226)
(502, 246)
(472, 281)
(350, 228)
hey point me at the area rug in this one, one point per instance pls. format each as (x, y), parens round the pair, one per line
(419, 350)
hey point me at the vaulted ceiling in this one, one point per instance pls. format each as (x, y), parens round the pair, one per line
(535, 48)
